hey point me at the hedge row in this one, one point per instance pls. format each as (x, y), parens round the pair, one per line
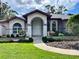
(46, 39)
(19, 41)
(11, 36)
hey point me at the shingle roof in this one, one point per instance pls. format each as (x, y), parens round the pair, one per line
(15, 17)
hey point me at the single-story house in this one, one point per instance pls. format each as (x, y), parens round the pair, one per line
(35, 23)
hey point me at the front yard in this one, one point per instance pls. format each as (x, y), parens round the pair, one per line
(28, 51)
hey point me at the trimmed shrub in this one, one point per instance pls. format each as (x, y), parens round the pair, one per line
(68, 34)
(56, 33)
(10, 41)
(60, 34)
(59, 39)
(8, 36)
(44, 39)
(0, 36)
(22, 40)
(50, 39)
(17, 35)
(30, 40)
(12, 35)
(24, 35)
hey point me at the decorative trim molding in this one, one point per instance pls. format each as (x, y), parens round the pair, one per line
(28, 24)
(44, 24)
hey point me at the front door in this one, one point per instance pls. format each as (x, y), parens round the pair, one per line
(37, 27)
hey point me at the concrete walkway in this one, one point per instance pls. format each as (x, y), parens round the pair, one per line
(39, 44)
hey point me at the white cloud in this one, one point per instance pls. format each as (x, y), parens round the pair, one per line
(23, 3)
(74, 0)
(39, 4)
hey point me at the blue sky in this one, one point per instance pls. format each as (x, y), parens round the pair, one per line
(25, 6)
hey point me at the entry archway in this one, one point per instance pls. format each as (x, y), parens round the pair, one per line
(37, 26)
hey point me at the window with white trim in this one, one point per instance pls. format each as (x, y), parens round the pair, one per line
(16, 28)
(54, 25)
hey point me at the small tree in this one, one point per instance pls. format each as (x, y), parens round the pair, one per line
(6, 11)
(73, 24)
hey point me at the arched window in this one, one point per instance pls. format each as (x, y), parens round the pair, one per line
(16, 28)
(54, 26)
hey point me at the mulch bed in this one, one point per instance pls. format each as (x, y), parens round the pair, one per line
(65, 44)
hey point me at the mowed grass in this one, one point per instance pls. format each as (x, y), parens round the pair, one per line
(28, 51)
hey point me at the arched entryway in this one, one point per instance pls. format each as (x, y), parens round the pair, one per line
(37, 27)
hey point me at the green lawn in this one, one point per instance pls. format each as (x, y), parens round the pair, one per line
(28, 51)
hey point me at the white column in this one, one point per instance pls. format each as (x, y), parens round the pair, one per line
(10, 28)
(10, 31)
(50, 25)
(45, 30)
(29, 33)
(0, 30)
(56, 25)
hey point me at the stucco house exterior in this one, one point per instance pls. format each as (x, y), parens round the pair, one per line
(35, 23)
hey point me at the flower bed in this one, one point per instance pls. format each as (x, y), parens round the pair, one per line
(65, 44)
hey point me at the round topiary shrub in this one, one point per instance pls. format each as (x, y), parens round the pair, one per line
(44, 39)
(8, 36)
(61, 34)
(12, 35)
(17, 35)
(50, 39)
(30, 40)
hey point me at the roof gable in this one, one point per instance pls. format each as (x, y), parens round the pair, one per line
(38, 11)
(15, 17)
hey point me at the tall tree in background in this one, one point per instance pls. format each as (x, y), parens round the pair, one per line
(73, 24)
(52, 9)
(6, 11)
(61, 9)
